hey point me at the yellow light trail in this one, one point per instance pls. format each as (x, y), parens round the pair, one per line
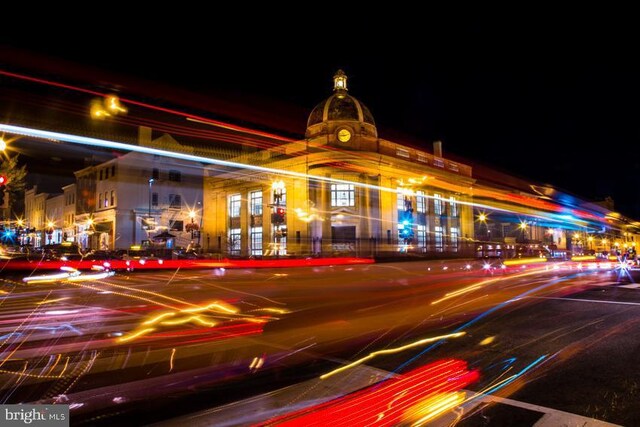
(435, 406)
(158, 317)
(390, 351)
(136, 335)
(51, 301)
(196, 319)
(523, 261)
(216, 305)
(483, 283)
(583, 258)
(173, 353)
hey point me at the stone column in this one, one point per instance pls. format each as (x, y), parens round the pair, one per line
(325, 208)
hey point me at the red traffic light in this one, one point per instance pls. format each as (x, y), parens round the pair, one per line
(3, 180)
(280, 211)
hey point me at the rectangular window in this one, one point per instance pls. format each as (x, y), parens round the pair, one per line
(400, 203)
(453, 207)
(454, 167)
(343, 195)
(401, 152)
(422, 158)
(175, 175)
(234, 206)
(176, 225)
(455, 235)
(438, 162)
(421, 201)
(422, 238)
(255, 202)
(106, 173)
(256, 241)
(234, 241)
(100, 174)
(155, 173)
(106, 199)
(175, 201)
(438, 239)
(437, 204)
(113, 197)
(100, 200)
(154, 199)
(113, 171)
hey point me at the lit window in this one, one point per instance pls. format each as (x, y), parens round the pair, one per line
(255, 202)
(256, 241)
(438, 162)
(343, 195)
(234, 206)
(438, 239)
(454, 206)
(454, 239)
(421, 200)
(438, 207)
(422, 237)
(234, 241)
(422, 158)
(400, 201)
(454, 167)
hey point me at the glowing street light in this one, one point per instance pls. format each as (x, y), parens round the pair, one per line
(3, 144)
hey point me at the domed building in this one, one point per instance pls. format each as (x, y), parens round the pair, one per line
(342, 190)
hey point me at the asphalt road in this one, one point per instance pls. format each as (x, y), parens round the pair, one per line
(153, 345)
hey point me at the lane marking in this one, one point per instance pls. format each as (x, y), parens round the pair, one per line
(589, 300)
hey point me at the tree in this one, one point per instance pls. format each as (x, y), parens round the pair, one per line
(16, 178)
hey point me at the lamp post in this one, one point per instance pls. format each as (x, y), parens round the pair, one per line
(192, 215)
(278, 187)
(151, 181)
(50, 230)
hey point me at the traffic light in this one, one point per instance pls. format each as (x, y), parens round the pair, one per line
(405, 228)
(277, 217)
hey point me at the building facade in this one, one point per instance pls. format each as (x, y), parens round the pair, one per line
(340, 191)
(134, 198)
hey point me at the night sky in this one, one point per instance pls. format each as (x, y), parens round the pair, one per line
(555, 104)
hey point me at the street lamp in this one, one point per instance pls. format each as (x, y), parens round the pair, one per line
(523, 229)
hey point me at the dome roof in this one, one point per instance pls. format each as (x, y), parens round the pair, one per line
(340, 106)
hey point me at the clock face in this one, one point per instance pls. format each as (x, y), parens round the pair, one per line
(344, 135)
